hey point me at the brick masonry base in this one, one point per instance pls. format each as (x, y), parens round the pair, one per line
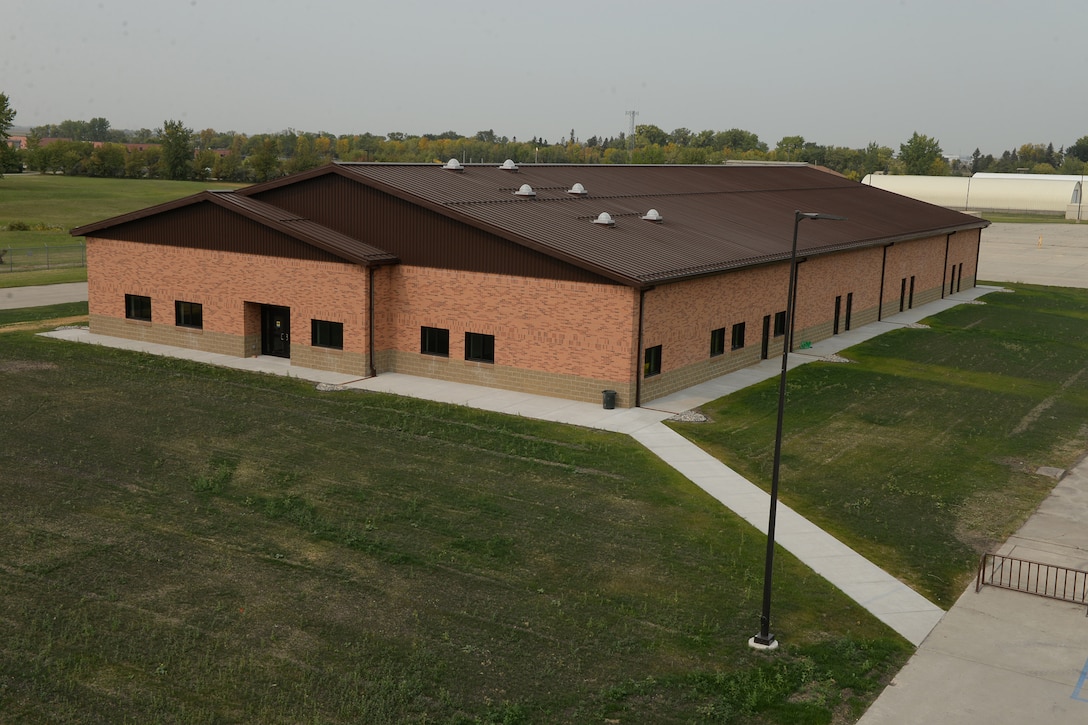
(557, 385)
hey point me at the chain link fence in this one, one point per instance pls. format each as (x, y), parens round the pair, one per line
(27, 259)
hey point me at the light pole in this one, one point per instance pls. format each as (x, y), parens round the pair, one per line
(766, 640)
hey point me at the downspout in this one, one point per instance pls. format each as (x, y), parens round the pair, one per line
(370, 325)
(883, 267)
(944, 272)
(638, 347)
(978, 250)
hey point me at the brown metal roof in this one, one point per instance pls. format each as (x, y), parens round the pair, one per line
(335, 243)
(715, 218)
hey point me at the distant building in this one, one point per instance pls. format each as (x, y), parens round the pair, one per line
(563, 280)
(1053, 194)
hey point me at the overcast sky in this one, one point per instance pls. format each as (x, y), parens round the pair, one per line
(992, 74)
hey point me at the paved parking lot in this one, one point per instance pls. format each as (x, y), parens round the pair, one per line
(1050, 254)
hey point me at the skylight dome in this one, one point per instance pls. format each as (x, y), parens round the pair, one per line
(509, 165)
(577, 189)
(605, 219)
(525, 190)
(454, 165)
(654, 216)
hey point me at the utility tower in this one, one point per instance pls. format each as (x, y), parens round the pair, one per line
(631, 133)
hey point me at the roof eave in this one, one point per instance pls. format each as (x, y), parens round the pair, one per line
(760, 261)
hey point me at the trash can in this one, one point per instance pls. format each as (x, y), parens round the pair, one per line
(609, 399)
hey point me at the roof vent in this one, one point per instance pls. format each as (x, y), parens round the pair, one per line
(577, 189)
(525, 190)
(454, 165)
(509, 165)
(605, 219)
(654, 216)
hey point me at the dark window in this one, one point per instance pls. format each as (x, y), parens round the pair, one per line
(138, 307)
(959, 279)
(910, 300)
(902, 294)
(780, 323)
(738, 336)
(849, 308)
(189, 314)
(717, 342)
(434, 341)
(479, 347)
(327, 334)
(652, 365)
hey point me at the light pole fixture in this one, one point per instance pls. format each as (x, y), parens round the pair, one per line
(766, 640)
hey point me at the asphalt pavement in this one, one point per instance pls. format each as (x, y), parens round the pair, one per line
(12, 298)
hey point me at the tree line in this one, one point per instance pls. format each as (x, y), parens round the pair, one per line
(174, 151)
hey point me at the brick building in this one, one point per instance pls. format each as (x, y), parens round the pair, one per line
(564, 280)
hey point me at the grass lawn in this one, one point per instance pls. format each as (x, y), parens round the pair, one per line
(187, 544)
(44, 276)
(30, 315)
(52, 204)
(71, 201)
(1005, 218)
(922, 453)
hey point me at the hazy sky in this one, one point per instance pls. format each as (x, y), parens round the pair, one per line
(992, 74)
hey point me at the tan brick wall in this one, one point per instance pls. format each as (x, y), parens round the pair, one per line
(573, 387)
(207, 341)
(559, 338)
(566, 339)
(925, 260)
(231, 287)
(680, 316)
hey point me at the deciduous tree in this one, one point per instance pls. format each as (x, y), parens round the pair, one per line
(921, 156)
(177, 150)
(7, 117)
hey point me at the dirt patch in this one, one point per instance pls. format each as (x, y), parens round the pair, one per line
(35, 324)
(1041, 408)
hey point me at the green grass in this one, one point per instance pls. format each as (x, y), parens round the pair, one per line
(1005, 218)
(188, 544)
(71, 201)
(922, 454)
(50, 205)
(47, 312)
(43, 276)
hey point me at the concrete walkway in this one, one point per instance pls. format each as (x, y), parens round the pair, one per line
(1000, 656)
(13, 298)
(901, 608)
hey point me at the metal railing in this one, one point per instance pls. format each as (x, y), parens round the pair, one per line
(26, 259)
(1044, 580)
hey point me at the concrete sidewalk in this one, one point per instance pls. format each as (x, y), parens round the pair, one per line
(13, 298)
(1001, 656)
(886, 597)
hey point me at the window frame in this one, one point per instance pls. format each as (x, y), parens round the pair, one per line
(434, 341)
(480, 347)
(779, 325)
(189, 314)
(651, 362)
(326, 334)
(717, 342)
(134, 304)
(736, 341)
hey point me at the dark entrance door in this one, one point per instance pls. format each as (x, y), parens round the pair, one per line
(276, 331)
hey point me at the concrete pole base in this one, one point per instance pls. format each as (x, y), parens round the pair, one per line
(772, 645)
